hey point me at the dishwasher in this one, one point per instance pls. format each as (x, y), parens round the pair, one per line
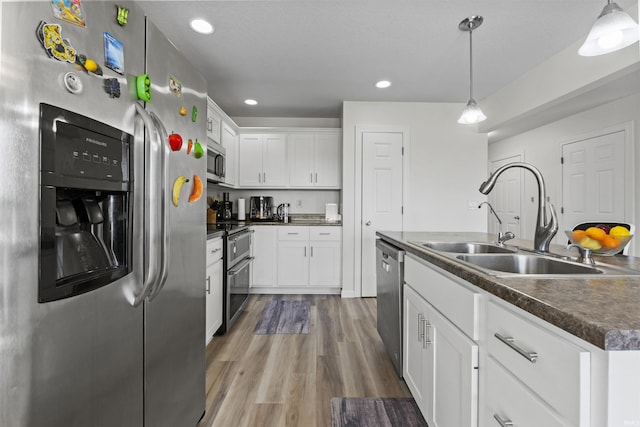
(389, 283)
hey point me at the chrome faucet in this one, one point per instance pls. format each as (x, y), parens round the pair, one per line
(544, 230)
(502, 237)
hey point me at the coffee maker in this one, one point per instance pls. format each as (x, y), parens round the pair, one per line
(224, 208)
(261, 208)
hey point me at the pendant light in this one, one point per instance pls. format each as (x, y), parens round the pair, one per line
(613, 30)
(472, 112)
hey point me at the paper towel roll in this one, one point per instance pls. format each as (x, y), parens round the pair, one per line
(241, 212)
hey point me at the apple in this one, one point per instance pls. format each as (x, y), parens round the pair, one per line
(604, 227)
(175, 142)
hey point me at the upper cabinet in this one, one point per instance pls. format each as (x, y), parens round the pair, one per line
(291, 158)
(263, 160)
(214, 121)
(230, 143)
(315, 160)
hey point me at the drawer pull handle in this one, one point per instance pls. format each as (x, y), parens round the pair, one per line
(293, 234)
(531, 356)
(325, 234)
(427, 339)
(503, 423)
(385, 266)
(420, 329)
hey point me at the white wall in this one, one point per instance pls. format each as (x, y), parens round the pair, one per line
(446, 164)
(541, 147)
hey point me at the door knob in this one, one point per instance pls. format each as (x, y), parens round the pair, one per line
(368, 223)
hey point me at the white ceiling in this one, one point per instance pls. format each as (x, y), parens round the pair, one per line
(302, 58)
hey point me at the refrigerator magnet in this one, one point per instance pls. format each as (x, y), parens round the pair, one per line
(69, 11)
(113, 53)
(194, 114)
(122, 16)
(175, 86)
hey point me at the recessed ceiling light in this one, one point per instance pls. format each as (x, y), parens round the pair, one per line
(201, 26)
(383, 84)
(251, 102)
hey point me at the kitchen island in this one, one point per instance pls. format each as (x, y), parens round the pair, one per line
(488, 349)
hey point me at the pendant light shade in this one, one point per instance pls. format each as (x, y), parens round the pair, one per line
(472, 112)
(613, 30)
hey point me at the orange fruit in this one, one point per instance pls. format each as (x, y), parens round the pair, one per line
(610, 242)
(578, 235)
(596, 233)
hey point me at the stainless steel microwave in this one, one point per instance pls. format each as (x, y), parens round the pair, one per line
(215, 162)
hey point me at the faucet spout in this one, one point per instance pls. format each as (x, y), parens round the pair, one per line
(545, 230)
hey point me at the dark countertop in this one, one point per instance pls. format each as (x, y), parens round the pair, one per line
(603, 310)
(213, 232)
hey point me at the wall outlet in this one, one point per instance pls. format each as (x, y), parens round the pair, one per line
(299, 203)
(472, 205)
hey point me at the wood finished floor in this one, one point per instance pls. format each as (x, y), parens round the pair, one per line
(289, 380)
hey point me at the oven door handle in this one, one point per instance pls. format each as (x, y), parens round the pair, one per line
(241, 265)
(240, 235)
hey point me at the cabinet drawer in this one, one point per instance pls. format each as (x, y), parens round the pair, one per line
(293, 233)
(455, 301)
(560, 372)
(214, 250)
(509, 400)
(325, 233)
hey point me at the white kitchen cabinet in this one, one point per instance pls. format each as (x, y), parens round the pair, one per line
(262, 160)
(213, 287)
(325, 256)
(265, 246)
(554, 372)
(441, 365)
(214, 121)
(315, 160)
(230, 143)
(293, 256)
(441, 361)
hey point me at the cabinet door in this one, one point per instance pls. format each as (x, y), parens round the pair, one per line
(328, 160)
(325, 266)
(213, 316)
(452, 363)
(293, 263)
(230, 143)
(250, 173)
(264, 251)
(414, 366)
(301, 160)
(214, 121)
(274, 160)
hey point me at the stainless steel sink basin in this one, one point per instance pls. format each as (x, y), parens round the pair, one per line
(465, 247)
(527, 264)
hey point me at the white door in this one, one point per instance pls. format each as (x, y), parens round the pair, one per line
(593, 179)
(381, 196)
(506, 198)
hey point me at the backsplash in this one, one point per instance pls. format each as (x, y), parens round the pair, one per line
(300, 201)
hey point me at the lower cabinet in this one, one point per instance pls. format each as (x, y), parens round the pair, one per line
(440, 366)
(213, 288)
(299, 259)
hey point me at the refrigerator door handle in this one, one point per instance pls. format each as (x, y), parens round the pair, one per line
(154, 269)
(164, 226)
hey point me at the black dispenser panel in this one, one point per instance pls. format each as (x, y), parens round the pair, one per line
(85, 204)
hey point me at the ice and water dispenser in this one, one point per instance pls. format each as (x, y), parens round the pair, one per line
(85, 204)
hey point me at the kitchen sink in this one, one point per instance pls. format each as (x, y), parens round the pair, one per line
(528, 264)
(466, 247)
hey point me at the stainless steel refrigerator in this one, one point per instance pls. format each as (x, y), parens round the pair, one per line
(101, 273)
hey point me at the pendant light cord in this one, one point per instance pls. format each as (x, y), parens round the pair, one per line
(470, 63)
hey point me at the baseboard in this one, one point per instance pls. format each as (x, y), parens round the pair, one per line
(303, 290)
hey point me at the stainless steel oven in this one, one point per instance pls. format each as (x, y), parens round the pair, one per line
(237, 261)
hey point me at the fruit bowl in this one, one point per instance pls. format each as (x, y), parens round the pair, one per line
(601, 241)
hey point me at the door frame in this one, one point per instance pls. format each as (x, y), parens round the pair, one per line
(629, 167)
(406, 139)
